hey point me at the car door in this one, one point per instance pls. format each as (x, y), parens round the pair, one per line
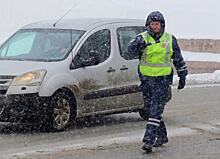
(94, 76)
(128, 77)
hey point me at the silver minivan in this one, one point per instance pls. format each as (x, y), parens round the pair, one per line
(54, 73)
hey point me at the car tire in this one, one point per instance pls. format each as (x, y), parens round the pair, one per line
(62, 110)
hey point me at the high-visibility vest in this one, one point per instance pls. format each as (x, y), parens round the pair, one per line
(156, 58)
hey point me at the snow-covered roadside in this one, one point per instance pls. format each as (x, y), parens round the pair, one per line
(203, 56)
(204, 78)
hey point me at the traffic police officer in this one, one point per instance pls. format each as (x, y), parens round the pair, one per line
(157, 50)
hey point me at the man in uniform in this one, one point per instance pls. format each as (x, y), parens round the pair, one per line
(157, 50)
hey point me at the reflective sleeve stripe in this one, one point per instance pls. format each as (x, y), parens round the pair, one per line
(153, 119)
(151, 123)
(182, 68)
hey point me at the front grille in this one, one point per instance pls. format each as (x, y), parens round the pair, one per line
(7, 77)
(5, 82)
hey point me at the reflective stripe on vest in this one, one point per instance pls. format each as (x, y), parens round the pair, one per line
(156, 58)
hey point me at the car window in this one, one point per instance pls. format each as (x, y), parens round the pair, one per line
(125, 35)
(99, 42)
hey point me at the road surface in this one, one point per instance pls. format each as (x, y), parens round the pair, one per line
(192, 118)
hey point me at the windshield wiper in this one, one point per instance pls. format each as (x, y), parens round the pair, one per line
(12, 59)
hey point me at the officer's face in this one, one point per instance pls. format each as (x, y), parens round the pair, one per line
(155, 27)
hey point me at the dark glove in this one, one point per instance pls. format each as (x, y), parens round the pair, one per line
(182, 83)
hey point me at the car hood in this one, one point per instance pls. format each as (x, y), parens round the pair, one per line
(15, 68)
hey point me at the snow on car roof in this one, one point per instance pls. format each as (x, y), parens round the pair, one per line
(80, 24)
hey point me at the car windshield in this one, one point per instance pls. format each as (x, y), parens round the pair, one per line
(40, 44)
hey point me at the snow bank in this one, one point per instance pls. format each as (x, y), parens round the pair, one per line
(210, 57)
(205, 78)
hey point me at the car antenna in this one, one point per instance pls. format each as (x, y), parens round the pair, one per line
(54, 25)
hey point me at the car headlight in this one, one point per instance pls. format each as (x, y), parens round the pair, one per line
(34, 78)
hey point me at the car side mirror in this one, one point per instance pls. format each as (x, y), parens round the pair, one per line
(93, 59)
(90, 60)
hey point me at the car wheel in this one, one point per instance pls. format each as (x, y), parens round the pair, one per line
(62, 111)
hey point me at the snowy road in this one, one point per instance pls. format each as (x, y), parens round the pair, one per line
(192, 117)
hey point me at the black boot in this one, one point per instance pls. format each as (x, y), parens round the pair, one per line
(161, 135)
(147, 148)
(160, 141)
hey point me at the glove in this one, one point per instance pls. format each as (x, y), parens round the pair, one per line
(182, 83)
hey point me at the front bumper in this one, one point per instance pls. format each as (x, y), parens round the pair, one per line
(29, 108)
